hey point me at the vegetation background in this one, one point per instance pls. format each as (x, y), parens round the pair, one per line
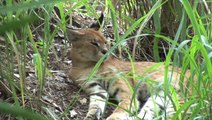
(175, 32)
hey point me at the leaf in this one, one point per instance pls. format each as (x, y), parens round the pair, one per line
(15, 24)
(18, 111)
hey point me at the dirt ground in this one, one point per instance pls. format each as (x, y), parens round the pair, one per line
(61, 98)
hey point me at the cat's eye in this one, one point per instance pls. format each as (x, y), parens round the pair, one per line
(95, 44)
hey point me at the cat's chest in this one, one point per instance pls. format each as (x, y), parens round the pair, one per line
(103, 76)
(79, 75)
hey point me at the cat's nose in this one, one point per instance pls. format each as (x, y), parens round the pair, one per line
(104, 51)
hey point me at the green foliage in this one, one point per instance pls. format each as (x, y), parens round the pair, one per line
(179, 30)
(20, 112)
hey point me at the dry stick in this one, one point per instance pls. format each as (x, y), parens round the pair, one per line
(139, 32)
(206, 7)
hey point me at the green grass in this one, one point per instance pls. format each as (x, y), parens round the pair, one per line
(20, 112)
(181, 30)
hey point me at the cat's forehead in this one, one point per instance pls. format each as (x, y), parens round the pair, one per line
(95, 35)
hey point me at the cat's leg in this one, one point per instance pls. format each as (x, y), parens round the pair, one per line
(121, 112)
(155, 104)
(127, 104)
(98, 100)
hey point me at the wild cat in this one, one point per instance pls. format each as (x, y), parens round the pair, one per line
(132, 93)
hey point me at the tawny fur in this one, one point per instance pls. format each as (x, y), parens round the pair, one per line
(89, 45)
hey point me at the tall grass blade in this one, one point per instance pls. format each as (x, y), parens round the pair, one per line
(19, 112)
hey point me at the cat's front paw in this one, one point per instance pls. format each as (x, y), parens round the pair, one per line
(94, 114)
(119, 116)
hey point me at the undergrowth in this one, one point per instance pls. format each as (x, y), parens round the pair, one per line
(173, 32)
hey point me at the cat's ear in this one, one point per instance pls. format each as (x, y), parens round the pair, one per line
(96, 25)
(74, 35)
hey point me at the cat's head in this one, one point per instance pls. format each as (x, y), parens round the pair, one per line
(88, 45)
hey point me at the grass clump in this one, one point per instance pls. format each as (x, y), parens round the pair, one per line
(173, 32)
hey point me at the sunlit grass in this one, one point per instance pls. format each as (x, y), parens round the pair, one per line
(189, 43)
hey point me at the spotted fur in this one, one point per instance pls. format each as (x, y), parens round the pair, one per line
(133, 95)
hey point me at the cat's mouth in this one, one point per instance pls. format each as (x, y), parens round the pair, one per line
(106, 58)
(104, 51)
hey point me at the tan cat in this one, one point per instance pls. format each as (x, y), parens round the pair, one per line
(88, 47)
